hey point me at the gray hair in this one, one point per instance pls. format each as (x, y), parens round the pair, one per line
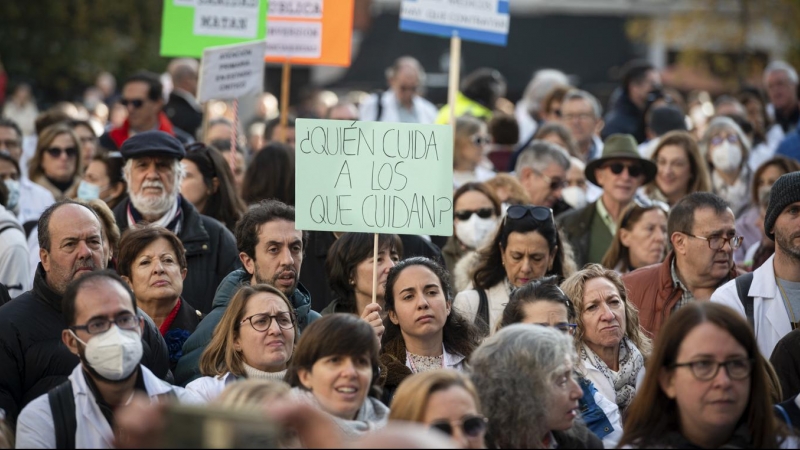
(578, 94)
(781, 66)
(177, 168)
(182, 68)
(406, 61)
(514, 371)
(727, 124)
(539, 155)
(540, 85)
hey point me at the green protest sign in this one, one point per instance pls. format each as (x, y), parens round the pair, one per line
(189, 26)
(374, 177)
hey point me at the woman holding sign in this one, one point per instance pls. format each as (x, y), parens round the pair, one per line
(423, 332)
(526, 247)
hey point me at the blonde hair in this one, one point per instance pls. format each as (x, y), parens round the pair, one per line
(516, 192)
(411, 398)
(46, 138)
(251, 393)
(220, 356)
(575, 288)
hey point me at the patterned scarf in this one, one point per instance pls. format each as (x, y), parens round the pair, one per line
(631, 363)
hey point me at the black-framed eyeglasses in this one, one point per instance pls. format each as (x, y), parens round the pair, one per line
(717, 242)
(481, 140)
(262, 322)
(465, 214)
(634, 170)
(646, 204)
(553, 183)
(707, 369)
(472, 426)
(136, 103)
(56, 152)
(126, 321)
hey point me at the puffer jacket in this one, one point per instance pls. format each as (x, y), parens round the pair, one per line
(653, 293)
(188, 368)
(33, 359)
(211, 253)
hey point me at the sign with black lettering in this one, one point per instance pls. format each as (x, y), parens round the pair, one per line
(374, 177)
(232, 71)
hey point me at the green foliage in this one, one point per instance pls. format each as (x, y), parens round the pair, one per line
(62, 45)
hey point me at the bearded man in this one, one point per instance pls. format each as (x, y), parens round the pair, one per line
(154, 174)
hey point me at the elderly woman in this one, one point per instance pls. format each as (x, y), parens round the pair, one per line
(726, 149)
(444, 400)
(57, 163)
(254, 339)
(152, 261)
(524, 377)
(476, 213)
(543, 303)
(526, 247)
(641, 238)
(609, 341)
(335, 367)
(423, 332)
(681, 169)
(707, 386)
(209, 186)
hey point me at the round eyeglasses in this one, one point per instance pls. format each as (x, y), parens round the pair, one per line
(262, 322)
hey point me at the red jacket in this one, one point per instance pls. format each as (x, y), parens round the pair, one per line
(652, 291)
(112, 140)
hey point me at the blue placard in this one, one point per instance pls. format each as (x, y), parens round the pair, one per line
(485, 21)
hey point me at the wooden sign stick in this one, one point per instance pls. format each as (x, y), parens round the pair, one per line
(455, 75)
(286, 80)
(375, 270)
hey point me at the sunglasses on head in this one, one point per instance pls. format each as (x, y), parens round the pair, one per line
(481, 140)
(56, 152)
(646, 204)
(539, 213)
(633, 169)
(471, 426)
(136, 103)
(483, 213)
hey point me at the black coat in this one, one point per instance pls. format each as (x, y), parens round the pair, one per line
(786, 361)
(33, 359)
(211, 253)
(183, 115)
(625, 117)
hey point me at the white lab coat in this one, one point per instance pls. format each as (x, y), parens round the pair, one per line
(467, 303)
(35, 427)
(770, 318)
(209, 388)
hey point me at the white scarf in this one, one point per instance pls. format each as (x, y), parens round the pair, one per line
(631, 363)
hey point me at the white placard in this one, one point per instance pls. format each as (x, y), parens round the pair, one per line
(473, 20)
(294, 39)
(191, 3)
(295, 9)
(236, 19)
(232, 71)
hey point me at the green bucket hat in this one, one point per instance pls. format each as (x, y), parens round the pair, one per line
(621, 146)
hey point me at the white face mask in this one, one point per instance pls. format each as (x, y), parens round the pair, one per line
(726, 157)
(88, 191)
(114, 354)
(574, 196)
(13, 194)
(476, 231)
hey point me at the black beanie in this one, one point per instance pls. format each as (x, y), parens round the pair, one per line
(783, 193)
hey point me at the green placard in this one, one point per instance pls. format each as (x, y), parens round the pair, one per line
(374, 177)
(189, 26)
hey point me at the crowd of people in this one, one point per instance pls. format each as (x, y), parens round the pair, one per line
(617, 280)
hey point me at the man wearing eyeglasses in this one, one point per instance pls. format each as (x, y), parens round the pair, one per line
(32, 357)
(619, 172)
(142, 97)
(769, 297)
(702, 231)
(104, 332)
(402, 101)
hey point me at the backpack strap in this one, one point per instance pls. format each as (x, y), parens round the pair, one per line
(482, 317)
(379, 106)
(62, 407)
(743, 284)
(784, 415)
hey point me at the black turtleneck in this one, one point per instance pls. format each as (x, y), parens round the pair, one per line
(61, 185)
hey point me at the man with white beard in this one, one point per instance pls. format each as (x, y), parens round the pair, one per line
(154, 174)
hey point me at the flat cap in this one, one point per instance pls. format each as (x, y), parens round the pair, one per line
(152, 143)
